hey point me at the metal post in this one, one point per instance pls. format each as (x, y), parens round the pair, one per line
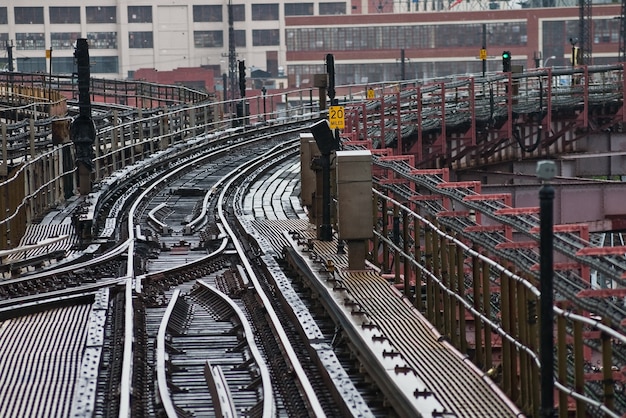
(545, 171)
(10, 55)
(225, 91)
(484, 47)
(232, 53)
(264, 91)
(326, 229)
(50, 76)
(82, 129)
(325, 142)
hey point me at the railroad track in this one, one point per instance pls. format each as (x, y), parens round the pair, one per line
(233, 274)
(64, 282)
(201, 299)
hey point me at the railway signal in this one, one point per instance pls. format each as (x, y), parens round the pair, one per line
(506, 61)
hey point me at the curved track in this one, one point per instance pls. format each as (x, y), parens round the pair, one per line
(196, 241)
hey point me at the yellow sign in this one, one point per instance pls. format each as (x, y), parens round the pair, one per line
(48, 53)
(483, 54)
(370, 93)
(336, 117)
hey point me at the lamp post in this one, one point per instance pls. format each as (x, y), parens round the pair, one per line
(545, 62)
(546, 171)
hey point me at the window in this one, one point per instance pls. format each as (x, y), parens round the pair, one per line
(32, 65)
(207, 13)
(4, 17)
(140, 40)
(265, 37)
(30, 41)
(63, 40)
(64, 14)
(104, 65)
(239, 12)
(4, 61)
(208, 38)
(102, 40)
(265, 12)
(240, 38)
(101, 14)
(298, 9)
(28, 15)
(332, 8)
(139, 14)
(62, 65)
(606, 31)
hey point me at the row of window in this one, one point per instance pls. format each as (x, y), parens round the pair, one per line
(62, 40)
(97, 40)
(395, 37)
(143, 14)
(67, 65)
(607, 31)
(108, 40)
(350, 38)
(440, 36)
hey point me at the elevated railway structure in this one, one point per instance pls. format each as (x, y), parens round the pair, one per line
(457, 250)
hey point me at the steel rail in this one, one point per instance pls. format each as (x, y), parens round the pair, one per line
(248, 333)
(162, 387)
(292, 358)
(133, 285)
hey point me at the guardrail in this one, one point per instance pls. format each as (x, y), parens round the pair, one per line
(454, 284)
(39, 172)
(421, 111)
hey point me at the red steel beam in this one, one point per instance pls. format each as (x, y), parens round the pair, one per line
(517, 245)
(602, 293)
(505, 197)
(601, 251)
(476, 185)
(453, 213)
(517, 211)
(484, 228)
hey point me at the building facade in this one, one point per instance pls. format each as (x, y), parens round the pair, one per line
(372, 40)
(370, 48)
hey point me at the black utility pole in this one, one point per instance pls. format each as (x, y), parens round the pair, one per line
(241, 105)
(546, 171)
(82, 129)
(330, 69)
(484, 59)
(326, 143)
(264, 92)
(225, 91)
(10, 56)
(622, 33)
(232, 54)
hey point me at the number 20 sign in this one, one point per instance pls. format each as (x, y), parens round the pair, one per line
(336, 117)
